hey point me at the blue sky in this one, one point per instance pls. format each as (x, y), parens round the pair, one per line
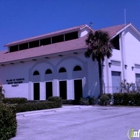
(26, 18)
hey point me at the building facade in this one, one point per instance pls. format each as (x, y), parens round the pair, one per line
(54, 64)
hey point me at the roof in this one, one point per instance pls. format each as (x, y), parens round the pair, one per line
(76, 28)
(113, 30)
(71, 45)
(66, 46)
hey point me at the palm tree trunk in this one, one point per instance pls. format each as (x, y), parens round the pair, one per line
(100, 76)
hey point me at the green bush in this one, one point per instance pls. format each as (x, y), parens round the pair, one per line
(14, 100)
(69, 102)
(35, 106)
(126, 99)
(1, 96)
(87, 101)
(56, 100)
(105, 99)
(8, 123)
(53, 102)
(84, 101)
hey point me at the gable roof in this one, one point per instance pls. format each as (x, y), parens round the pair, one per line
(113, 30)
(71, 45)
(68, 30)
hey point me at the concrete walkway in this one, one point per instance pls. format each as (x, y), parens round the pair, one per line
(78, 123)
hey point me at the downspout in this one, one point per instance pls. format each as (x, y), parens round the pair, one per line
(107, 73)
(123, 54)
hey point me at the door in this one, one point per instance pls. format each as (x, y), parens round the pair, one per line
(48, 89)
(63, 89)
(78, 91)
(116, 81)
(36, 91)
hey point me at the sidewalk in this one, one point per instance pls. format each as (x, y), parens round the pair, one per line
(63, 108)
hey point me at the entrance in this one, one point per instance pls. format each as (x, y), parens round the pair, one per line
(36, 91)
(116, 80)
(78, 91)
(48, 89)
(63, 89)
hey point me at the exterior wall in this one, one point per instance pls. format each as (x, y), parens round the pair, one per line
(128, 55)
(132, 49)
(89, 76)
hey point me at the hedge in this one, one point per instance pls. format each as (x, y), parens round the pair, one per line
(1, 96)
(87, 101)
(53, 102)
(56, 100)
(14, 100)
(126, 99)
(68, 102)
(105, 99)
(8, 123)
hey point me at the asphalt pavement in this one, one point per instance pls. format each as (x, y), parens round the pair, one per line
(78, 123)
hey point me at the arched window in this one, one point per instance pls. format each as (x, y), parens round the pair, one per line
(36, 73)
(61, 70)
(77, 68)
(48, 71)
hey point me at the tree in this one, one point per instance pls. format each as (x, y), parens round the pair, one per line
(99, 47)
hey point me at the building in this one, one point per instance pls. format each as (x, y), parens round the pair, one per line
(54, 64)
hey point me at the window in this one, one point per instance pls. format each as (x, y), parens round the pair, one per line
(59, 38)
(115, 63)
(61, 70)
(48, 71)
(13, 48)
(23, 46)
(45, 41)
(36, 73)
(77, 68)
(71, 36)
(34, 44)
(115, 43)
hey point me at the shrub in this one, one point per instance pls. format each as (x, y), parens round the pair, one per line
(126, 87)
(57, 101)
(104, 99)
(35, 106)
(126, 99)
(1, 96)
(8, 123)
(70, 102)
(84, 101)
(87, 101)
(14, 100)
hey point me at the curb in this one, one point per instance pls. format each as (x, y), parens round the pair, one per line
(54, 110)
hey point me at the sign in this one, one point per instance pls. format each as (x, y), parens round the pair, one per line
(133, 133)
(15, 82)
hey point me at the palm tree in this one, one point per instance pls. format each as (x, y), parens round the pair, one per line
(99, 47)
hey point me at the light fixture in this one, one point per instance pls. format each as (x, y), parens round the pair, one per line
(34, 59)
(21, 61)
(125, 66)
(109, 64)
(2, 65)
(12, 63)
(75, 53)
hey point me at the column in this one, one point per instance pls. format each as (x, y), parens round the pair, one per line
(42, 91)
(56, 87)
(70, 89)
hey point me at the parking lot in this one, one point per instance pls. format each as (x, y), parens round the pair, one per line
(78, 123)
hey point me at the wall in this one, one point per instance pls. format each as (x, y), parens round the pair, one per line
(89, 76)
(132, 49)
